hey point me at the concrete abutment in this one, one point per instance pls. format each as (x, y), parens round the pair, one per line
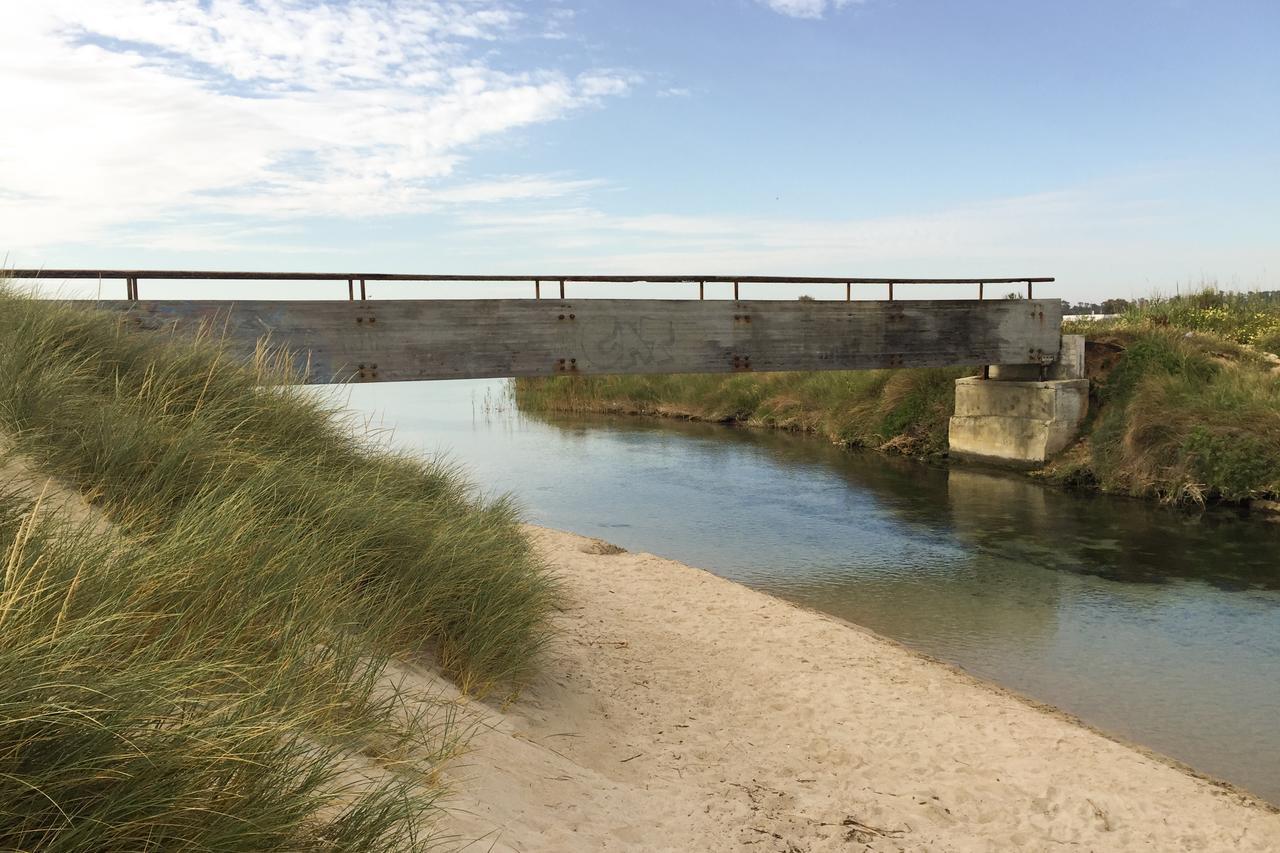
(1019, 416)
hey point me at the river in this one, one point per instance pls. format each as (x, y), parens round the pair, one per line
(1154, 625)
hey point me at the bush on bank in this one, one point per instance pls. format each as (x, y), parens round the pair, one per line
(211, 671)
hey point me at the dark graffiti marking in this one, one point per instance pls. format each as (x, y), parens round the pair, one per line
(626, 344)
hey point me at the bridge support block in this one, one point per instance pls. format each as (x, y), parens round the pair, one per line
(1015, 418)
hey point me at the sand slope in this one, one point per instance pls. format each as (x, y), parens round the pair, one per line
(679, 711)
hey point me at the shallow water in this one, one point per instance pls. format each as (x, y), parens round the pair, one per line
(1151, 624)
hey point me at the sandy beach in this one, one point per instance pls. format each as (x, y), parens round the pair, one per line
(680, 711)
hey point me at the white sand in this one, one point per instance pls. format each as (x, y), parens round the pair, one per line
(679, 711)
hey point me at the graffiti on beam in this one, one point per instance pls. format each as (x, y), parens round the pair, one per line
(631, 343)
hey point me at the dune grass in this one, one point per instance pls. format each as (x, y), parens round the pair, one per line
(215, 670)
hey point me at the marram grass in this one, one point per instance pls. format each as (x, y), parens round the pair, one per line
(210, 672)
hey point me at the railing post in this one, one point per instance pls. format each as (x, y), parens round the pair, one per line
(562, 288)
(701, 288)
(1028, 290)
(980, 291)
(362, 293)
(890, 291)
(848, 291)
(735, 291)
(351, 290)
(537, 289)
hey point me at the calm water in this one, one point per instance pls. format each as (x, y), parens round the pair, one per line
(1154, 625)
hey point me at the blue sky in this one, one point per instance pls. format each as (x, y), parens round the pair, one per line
(1124, 147)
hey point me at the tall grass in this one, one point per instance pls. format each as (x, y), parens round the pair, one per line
(1185, 418)
(212, 673)
(904, 410)
(1251, 319)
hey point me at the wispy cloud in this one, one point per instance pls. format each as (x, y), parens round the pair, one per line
(806, 8)
(1013, 229)
(1092, 237)
(150, 111)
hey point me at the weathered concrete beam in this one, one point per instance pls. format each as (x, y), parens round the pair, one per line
(392, 340)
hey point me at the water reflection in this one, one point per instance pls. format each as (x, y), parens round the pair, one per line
(1153, 624)
(1119, 539)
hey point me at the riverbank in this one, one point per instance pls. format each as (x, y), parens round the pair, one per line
(1181, 410)
(680, 711)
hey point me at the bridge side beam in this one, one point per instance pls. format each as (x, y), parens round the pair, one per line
(392, 340)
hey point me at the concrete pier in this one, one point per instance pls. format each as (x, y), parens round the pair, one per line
(1016, 418)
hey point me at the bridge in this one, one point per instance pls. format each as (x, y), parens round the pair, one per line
(377, 340)
(362, 339)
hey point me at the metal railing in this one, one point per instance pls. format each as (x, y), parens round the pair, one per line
(132, 277)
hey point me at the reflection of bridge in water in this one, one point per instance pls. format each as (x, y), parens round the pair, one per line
(363, 339)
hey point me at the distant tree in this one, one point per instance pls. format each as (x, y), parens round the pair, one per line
(1083, 308)
(1013, 295)
(804, 297)
(1115, 306)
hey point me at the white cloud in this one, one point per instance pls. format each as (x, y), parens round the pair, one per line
(806, 8)
(1098, 240)
(147, 111)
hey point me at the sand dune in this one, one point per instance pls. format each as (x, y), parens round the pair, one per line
(679, 711)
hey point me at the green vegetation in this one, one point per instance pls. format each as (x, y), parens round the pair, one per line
(1251, 319)
(904, 411)
(210, 660)
(1187, 409)
(1190, 411)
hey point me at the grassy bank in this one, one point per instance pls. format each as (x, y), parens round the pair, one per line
(903, 411)
(1185, 402)
(1188, 409)
(201, 659)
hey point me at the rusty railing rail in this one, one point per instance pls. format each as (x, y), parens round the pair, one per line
(132, 277)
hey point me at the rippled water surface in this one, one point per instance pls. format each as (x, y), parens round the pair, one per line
(1154, 625)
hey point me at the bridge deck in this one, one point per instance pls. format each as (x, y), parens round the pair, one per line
(361, 339)
(395, 340)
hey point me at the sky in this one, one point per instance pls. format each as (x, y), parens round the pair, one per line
(1124, 147)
